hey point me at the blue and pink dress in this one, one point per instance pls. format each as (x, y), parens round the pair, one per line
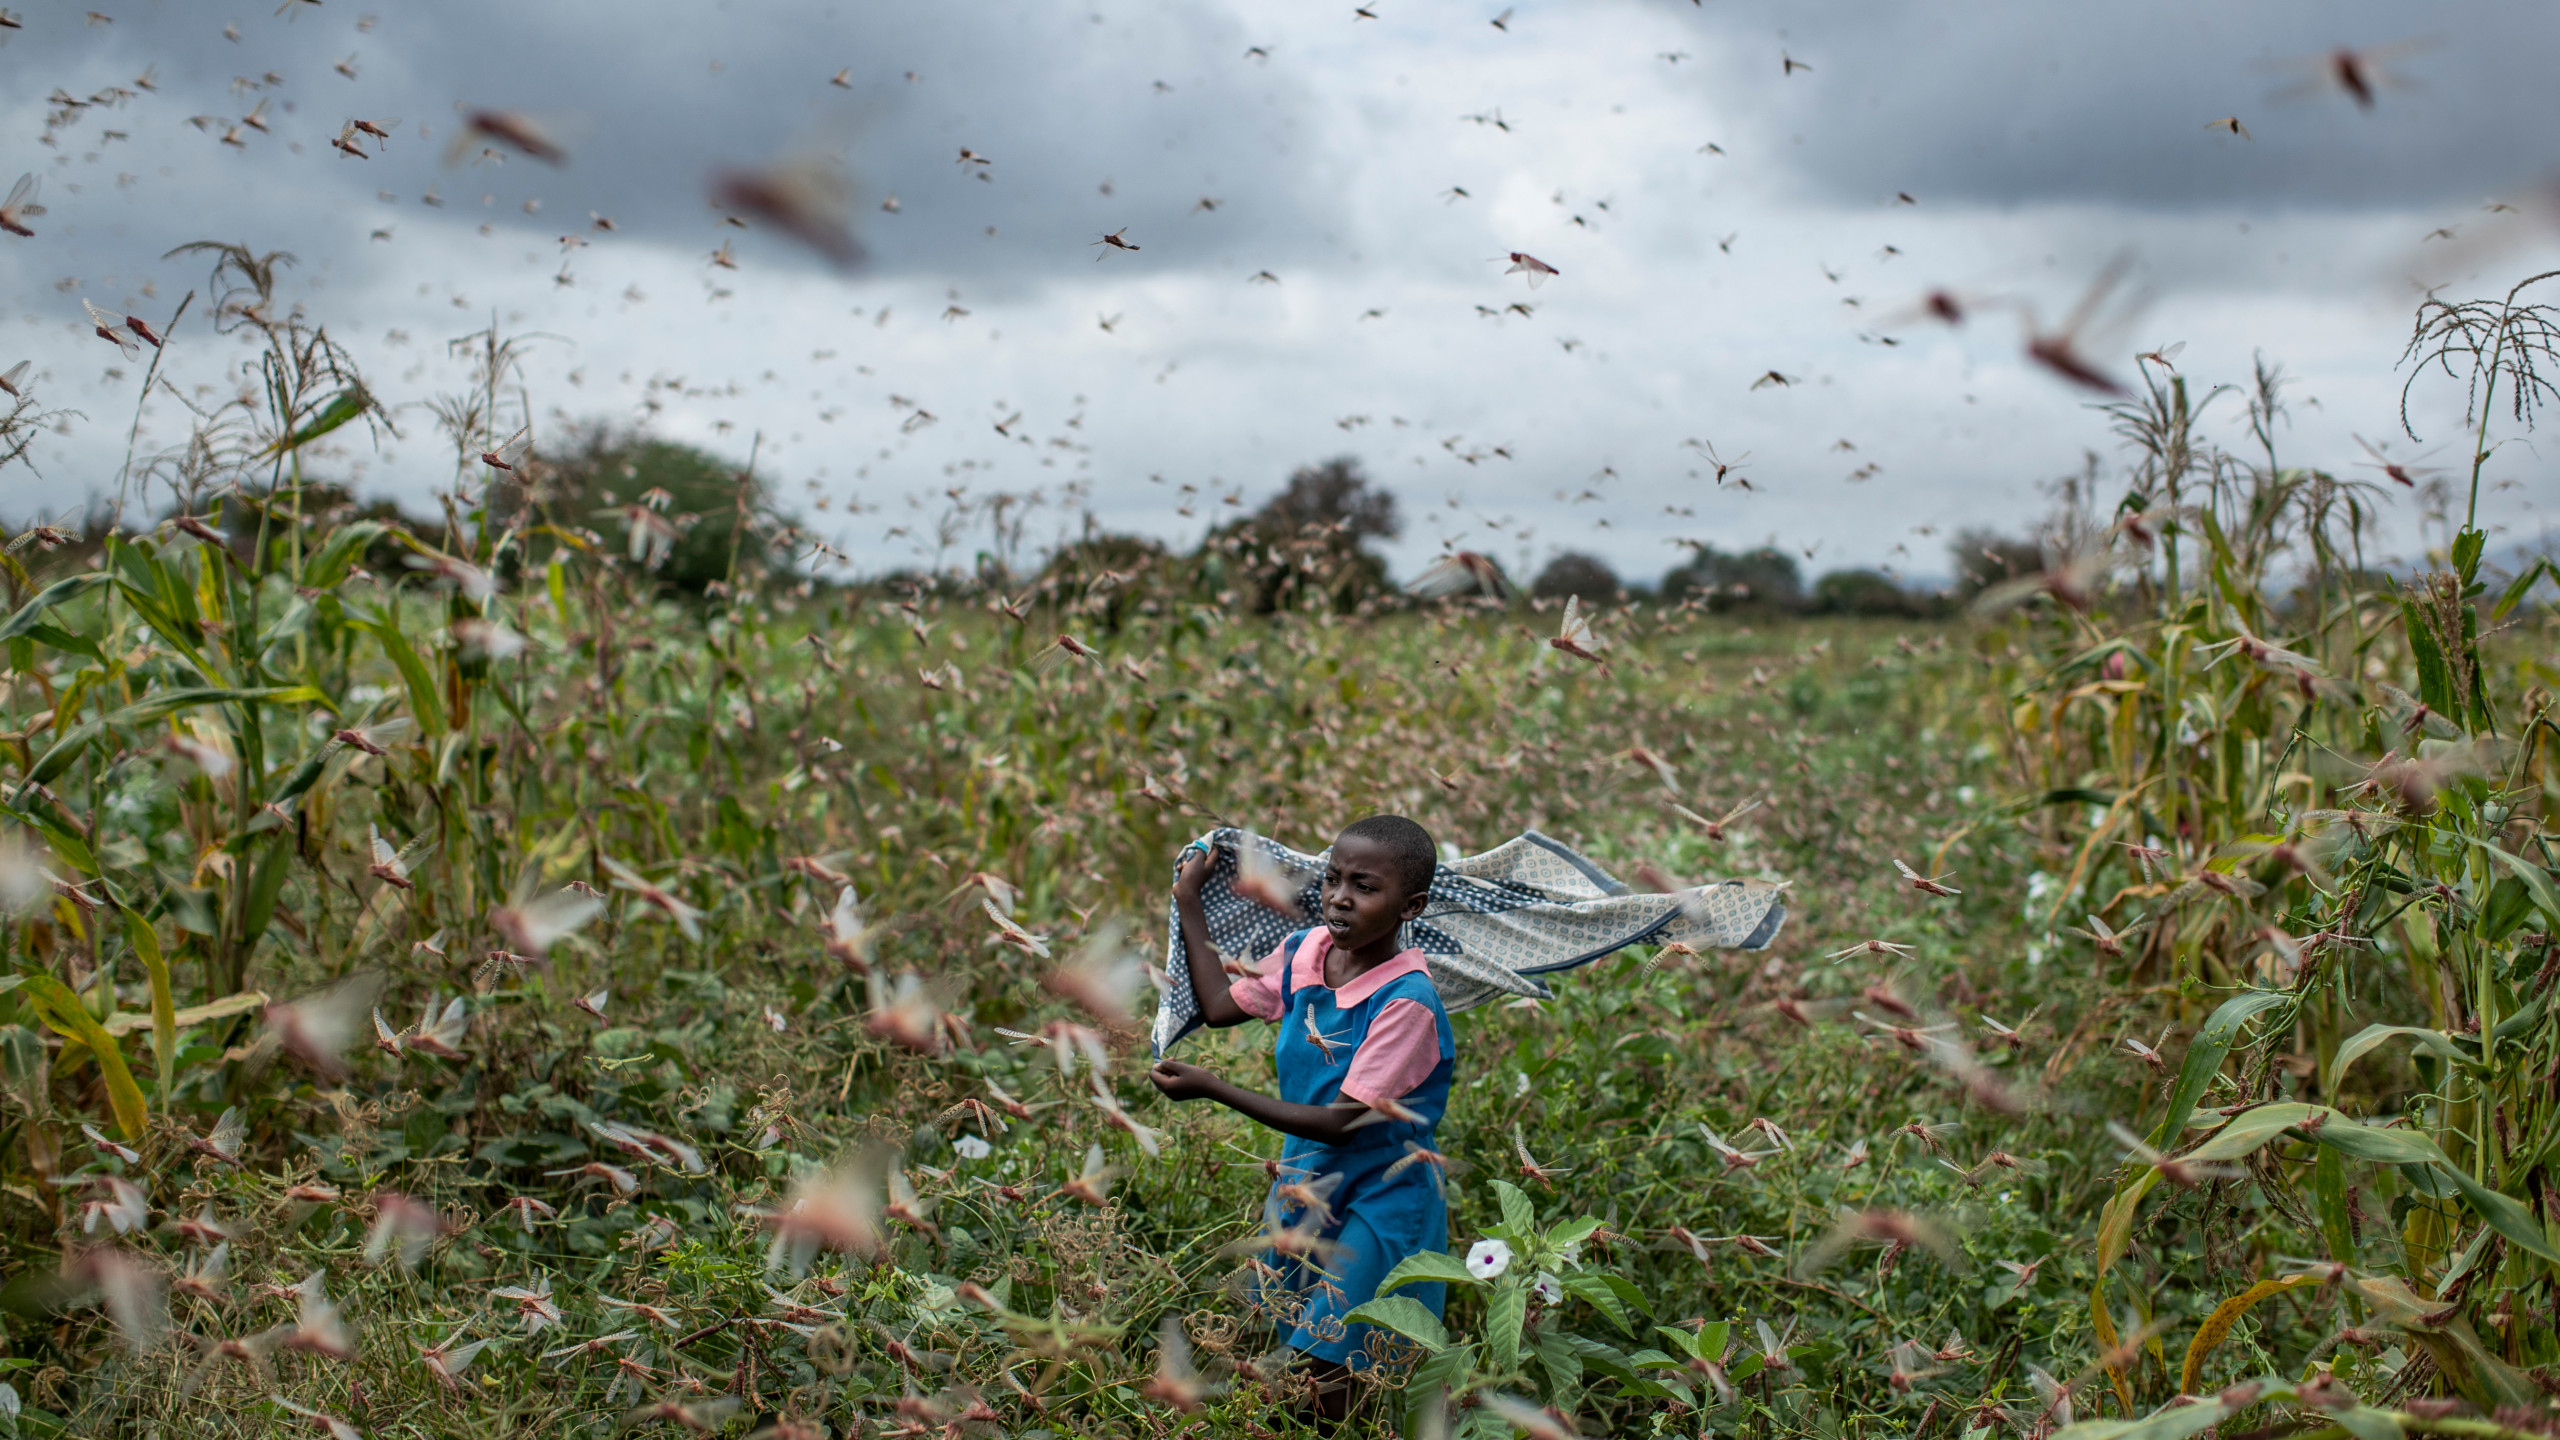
(1382, 1037)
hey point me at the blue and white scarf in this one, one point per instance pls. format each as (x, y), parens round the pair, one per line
(1496, 922)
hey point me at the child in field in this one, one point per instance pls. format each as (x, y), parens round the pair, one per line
(1365, 1053)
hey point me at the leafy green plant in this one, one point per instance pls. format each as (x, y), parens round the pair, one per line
(1528, 1280)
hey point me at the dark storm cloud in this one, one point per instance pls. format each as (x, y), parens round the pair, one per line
(2016, 101)
(1159, 103)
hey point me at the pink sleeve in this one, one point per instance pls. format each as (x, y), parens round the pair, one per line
(1398, 1053)
(1259, 996)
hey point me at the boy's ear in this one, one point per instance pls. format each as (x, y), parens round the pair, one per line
(1414, 904)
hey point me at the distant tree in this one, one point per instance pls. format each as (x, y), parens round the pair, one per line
(1575, 573)
(1306, 545)
(1106, 576)
(1765, 578)
(1864, 592)
(1336, 493)
(697, 499)
(1984, 558)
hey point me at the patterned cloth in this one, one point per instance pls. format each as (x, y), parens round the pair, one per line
(1496, 921)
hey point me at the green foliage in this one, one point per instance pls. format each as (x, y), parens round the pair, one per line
(1307, 548)
(1574, 573)
(751, 846)
(1865, 592)
(1765, 579)
(701, 522)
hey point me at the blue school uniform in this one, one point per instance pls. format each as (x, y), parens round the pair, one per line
(1378, 1219)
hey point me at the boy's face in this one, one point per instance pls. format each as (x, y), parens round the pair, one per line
(1364, 894)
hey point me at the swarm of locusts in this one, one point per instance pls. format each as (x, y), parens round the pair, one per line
(459, 986)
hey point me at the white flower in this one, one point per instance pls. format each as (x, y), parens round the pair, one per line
(1520, 1086)
(1570, 1254)
(1548, 1289)
(1488, 1258)
(973, 1147)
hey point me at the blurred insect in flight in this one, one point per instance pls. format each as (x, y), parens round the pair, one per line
(1530, 265)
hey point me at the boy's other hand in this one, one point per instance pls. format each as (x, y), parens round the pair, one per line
(1193, 874)
(1181, 1081)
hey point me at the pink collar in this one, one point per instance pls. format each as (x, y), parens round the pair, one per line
(1307, 969)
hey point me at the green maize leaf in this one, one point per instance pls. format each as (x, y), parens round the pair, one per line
(2366, 1423)
(2435, 678)
(2373, 1037)
(67, 749)
(425, 701)
(178, 634)
(69, 845)
(176, 700)
(164, 1001)
(67, 1017)
(339, 556)
(2254, 1128)
(2479, 697)
(31, 614)
(1409, 1318)
(2251, 1129)
(2373, 1143)
(1427, 1265)
(347, 407)
(2523, 585)
(2505, 1214)
(2205, 1055)
(266, 883)
(55, 637)
(2537, 881)
(2115, 1223)
(304, 776)
(2098, 1429)
(2466, 552)
(2522, 1022)
(2329, 1201)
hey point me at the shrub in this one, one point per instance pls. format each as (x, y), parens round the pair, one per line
(1574, 573)
(1765, 578)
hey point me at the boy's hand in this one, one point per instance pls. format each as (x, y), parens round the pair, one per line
(1193, 874)
(1181, 1081)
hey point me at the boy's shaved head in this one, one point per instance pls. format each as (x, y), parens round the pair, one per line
(1417, 858)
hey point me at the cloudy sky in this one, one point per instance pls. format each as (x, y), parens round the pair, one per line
(1320, 203)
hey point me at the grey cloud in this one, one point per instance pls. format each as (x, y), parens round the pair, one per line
(1329, 161)
(2020, 100)
(1062, 103)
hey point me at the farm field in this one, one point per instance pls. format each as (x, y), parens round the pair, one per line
(717, 917)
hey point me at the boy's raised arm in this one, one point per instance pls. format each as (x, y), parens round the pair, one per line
(1218, 1009)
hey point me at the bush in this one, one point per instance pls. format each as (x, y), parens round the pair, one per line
(1308, 545)
(1865, 592)
(1765, 578)
(701, 495)
(1574, 573)
(1984, 558)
